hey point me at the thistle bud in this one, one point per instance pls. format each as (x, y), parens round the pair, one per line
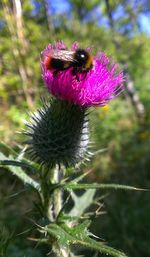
(58, 134)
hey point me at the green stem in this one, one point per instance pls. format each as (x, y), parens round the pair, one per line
(62, 252)
(53, 204)
(47, 198)
(58, 204)
(58, 194)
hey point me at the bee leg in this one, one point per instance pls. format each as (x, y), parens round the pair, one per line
(55, 73)
(77, 77)
(85, 73)
(75, 73)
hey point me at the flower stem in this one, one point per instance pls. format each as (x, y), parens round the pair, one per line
(58, 194)
(58, 204)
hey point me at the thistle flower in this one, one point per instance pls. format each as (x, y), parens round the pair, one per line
(58, 132)
(97, 87)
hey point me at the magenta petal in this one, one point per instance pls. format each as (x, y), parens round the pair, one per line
(100, 85)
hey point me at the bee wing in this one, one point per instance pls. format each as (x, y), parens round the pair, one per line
(64, 55)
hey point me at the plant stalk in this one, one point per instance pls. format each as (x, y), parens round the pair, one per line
(58, 204)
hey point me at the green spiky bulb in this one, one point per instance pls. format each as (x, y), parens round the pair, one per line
(58, 134)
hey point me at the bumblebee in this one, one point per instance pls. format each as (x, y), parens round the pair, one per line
(81, 61)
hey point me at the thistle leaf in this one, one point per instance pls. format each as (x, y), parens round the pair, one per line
(7, 162)
(79, 235)
(70, 186)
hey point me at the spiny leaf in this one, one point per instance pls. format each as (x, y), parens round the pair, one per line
(66, 236)
(75, 186)
(8, 162)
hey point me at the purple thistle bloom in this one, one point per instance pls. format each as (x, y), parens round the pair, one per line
(97, 87)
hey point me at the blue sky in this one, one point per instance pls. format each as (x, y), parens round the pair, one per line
(145, 23)
(62, 6)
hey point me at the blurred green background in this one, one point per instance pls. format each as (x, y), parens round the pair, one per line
(121, 28)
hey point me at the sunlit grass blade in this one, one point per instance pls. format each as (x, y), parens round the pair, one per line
(14, 167)
(18, 156)
(8, 148)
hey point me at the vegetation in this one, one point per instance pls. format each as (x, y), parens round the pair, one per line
(122, 128)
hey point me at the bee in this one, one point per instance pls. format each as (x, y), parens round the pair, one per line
(80, 60)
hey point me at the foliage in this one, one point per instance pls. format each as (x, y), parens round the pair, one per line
(63, 230)
(117, 128)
